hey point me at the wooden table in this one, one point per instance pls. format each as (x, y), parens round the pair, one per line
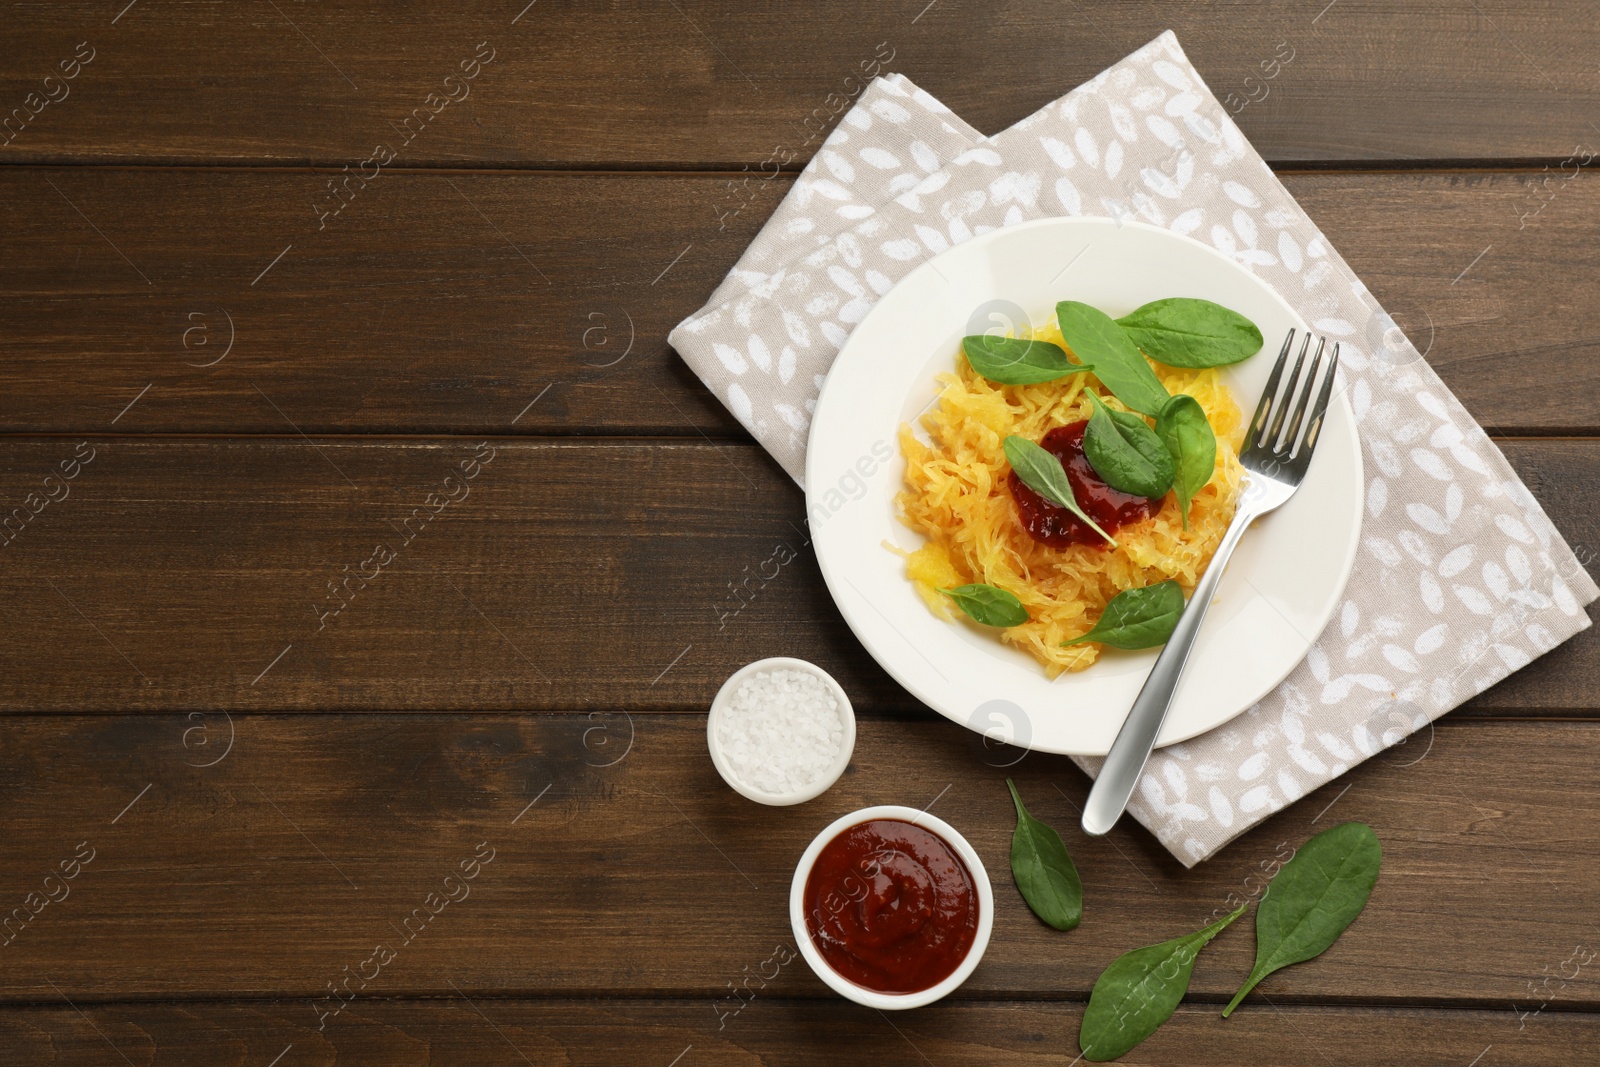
(257, 767)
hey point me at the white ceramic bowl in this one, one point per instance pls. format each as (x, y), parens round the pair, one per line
(719, 705)
(871, 997)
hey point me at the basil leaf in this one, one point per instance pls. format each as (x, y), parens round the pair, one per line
(1043, 871)
(1043, 473)
(1313, 899)
(1015, 361)
(1185, 332)
(1188, 437)
(1137, 618)
(1125, 452)
(1095, 338)
(1140, 991)
(988, 605)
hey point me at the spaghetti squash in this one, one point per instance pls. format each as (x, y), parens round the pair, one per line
(960, 494)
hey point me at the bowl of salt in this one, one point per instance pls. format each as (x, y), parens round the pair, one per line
(781, 731)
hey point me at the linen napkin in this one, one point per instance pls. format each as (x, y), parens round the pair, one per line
(1460, 578)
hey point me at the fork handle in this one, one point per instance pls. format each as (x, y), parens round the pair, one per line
(1137, 738)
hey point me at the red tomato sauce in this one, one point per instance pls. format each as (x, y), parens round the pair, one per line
(1057, 527)
(891, 906)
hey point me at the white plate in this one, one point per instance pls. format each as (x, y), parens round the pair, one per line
(1281, 587)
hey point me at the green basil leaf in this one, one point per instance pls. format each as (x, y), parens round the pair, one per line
(1095, 338)
(1044, 872)
(1125, 451)
(1316, 895)
(1043, 473)
(1137, 618)
(1140, 991)
(1185, 332)
(1189, 439)
(988, 605)
(1015, 361)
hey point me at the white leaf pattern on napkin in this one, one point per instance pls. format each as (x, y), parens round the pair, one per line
(1460, 578)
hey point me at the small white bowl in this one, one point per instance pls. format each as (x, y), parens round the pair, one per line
(719, 704)
(871, 997)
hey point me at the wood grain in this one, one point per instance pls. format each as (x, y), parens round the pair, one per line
(445, 303)
(619, 864)
(268, 393)
(584, 1033)
(435, 303)
(572, 576)
(711, 81)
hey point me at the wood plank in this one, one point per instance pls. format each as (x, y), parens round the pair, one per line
(581, 1033)
(435, 303)
(639, 873)
(521, 287)
(713, 81)
(178, 573)
(1472, 266)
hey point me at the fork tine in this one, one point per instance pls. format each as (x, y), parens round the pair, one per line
(1281, 409)
(1315, 425)
(1258, 421)
(1307, 387)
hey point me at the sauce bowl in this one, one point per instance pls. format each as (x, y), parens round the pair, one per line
(870, 997)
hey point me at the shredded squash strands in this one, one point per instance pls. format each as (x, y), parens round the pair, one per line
(957, 496)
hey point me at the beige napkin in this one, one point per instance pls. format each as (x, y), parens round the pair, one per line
(1460, 578)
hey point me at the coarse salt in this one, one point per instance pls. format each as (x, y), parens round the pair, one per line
(781, 731)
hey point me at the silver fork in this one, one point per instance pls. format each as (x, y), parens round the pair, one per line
(1275, 461)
